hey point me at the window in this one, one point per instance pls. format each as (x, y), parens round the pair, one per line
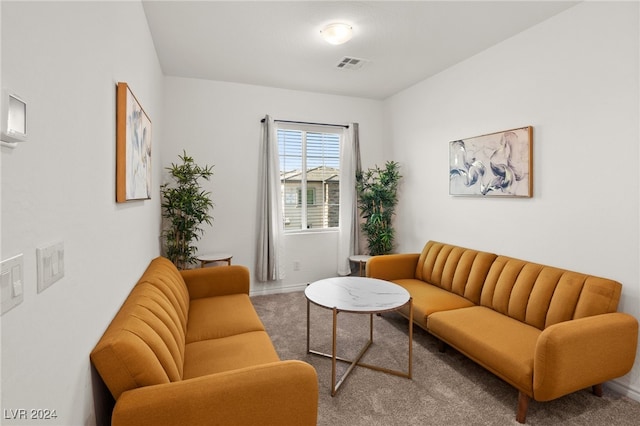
(311, 196)
(309, 177)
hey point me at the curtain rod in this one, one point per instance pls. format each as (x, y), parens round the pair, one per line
(346, 126)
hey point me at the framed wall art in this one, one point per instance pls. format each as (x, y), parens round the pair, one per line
(493, 165)
(133, 147)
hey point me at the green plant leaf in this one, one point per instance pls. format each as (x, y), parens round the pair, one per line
(186, 206)
(377, 198)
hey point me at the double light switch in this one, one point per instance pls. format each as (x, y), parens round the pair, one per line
(11, 282)
(50, 261)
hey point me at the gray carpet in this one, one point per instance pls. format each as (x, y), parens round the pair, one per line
(446, 388)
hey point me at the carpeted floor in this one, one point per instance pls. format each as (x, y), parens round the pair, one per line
(446, 389)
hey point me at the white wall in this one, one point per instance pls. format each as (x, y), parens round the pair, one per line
(1, 112)
(219, 123)
(574, 78)
(65, 60)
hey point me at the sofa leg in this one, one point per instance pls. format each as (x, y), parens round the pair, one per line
(597, 389)
(442, 346)
(523, 405)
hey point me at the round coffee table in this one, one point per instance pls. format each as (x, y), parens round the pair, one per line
(363, 296)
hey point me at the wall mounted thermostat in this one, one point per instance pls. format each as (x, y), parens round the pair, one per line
(14, 119)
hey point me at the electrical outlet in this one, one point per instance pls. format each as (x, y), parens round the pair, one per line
(50, 261)
(296, 265)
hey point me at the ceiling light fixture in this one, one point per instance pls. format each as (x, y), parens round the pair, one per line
(337, 33)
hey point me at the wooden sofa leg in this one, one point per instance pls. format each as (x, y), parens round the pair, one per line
(597, 389)
(442, 346)
(523, 405)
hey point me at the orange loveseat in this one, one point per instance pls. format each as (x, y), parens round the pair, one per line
(188, 348)
(546, 331)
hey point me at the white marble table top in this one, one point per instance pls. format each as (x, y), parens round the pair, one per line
(359, 258)
(213, 257)
(357, 294)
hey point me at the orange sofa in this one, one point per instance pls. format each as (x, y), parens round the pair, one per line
(188, 348)
(546, 331)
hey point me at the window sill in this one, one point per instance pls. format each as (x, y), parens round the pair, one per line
(312, 231)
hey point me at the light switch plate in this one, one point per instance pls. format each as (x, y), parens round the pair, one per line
(50, 261)
(11, 281)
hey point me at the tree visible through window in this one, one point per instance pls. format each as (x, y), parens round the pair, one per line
(310, 178)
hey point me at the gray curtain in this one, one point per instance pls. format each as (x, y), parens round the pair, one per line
(350, 166)
(356, 220)
(269, 265)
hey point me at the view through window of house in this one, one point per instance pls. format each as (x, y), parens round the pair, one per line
(310, 178)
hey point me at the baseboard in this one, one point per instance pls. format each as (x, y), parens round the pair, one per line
(623, 390)
(287, 289)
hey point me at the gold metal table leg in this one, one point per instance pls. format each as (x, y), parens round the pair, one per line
(308, 303)
(334, 389)
(410, 337)
(335, 382)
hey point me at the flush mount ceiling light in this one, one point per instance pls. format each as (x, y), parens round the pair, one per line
(337, 33)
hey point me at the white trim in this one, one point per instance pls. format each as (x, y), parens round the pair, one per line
(277, 290)
(623, 389)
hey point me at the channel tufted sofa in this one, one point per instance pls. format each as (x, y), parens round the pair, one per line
(188, 348)
(546, 331)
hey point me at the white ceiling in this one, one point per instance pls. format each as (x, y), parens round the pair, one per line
(278, 44)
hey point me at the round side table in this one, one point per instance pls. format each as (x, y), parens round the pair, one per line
(214, 257)
(362, 260)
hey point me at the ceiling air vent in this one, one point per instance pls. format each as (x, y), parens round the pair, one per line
(348, 63)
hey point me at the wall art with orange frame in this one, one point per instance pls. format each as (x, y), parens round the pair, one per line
(133, 147)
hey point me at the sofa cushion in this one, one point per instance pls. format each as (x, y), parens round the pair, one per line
(499, 343)
(222, 316)
(542, 296)
(228, 353)
(459, 270)
(144, 344)
(428, 299)
(164, 275)
(139, 348)
(598, 296)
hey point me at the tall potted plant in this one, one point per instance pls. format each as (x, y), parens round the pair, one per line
(185, 206)
(377, 198)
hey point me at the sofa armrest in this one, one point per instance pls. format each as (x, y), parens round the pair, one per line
(393, 266)
(216, 281)
(576, 354)
(280, 393)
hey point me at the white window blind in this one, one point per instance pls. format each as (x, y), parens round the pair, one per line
(310, 177)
